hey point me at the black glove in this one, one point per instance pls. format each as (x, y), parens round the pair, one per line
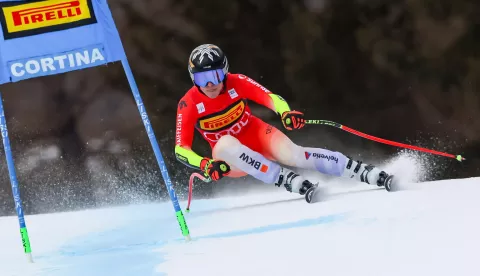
(214, 169)
(293, 120)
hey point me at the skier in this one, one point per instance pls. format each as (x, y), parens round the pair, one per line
(242, 143)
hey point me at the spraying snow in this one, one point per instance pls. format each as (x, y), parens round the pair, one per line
(427, 229)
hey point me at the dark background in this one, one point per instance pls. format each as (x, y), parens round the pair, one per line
(404, 70)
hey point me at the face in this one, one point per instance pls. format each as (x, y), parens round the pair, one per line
(211, 90)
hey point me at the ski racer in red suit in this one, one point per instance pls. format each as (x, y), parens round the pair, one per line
(217, 107)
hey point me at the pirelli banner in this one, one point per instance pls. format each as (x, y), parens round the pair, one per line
(55, 36)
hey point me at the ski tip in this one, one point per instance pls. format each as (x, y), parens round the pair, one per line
(460, 158)
(389, 185)
(313, 195)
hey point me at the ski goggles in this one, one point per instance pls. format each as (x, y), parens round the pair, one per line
(203, 78)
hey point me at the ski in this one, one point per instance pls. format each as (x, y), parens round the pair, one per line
(313, 194)
(390, 184)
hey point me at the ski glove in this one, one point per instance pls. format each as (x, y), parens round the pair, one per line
(214, 169)
(293, 120)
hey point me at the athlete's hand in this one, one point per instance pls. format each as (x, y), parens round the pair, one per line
(214, 169)
(293, 120)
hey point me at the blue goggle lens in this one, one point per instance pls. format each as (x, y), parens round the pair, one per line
(214, 76)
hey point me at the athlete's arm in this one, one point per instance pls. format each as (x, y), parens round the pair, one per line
(254, 91)
(185, 128)
(259, 94)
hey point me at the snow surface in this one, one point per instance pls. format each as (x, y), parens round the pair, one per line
(431, 228)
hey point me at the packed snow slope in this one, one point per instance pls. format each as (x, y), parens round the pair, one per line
(430, 228)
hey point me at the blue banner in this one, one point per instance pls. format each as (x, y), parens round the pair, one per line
(40, 38)
(47, 37)
(57, 63)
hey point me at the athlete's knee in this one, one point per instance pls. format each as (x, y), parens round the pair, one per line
(224, 144)
(227, 140)
(287, 152)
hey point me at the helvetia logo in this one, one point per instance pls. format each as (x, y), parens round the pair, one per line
(307, 155)
(321, 156)
(20, 19)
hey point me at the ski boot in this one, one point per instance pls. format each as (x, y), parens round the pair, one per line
(369, 174)
(294, 182)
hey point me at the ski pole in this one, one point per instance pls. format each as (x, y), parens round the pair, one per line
(380, 140)
(14, 182)
(190, 186)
